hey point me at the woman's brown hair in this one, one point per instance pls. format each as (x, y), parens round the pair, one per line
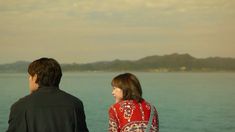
(130, 86)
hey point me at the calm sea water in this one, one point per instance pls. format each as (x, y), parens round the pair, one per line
(186, 102)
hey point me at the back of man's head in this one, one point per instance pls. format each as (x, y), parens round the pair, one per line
(48, 71)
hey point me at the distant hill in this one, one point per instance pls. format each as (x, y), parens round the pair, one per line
(19, 66)
(166, 63)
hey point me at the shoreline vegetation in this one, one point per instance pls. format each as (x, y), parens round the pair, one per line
(166, 63)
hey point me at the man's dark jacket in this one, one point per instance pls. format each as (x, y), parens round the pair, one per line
(48, 109)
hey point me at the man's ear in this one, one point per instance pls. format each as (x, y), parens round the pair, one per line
(35, 77)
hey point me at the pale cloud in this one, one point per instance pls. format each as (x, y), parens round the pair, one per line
(90, 30)
(87, 6)
(84, 9)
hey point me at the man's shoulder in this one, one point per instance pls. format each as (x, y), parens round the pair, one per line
(70, 97)
(21, 103)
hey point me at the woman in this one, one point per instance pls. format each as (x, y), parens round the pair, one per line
(130, 112)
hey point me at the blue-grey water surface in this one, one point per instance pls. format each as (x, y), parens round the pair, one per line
(186, 102)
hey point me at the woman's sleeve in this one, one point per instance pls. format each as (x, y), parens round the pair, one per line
(155, 121)
(113, 122)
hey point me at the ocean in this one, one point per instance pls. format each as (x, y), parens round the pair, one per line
(186, 102)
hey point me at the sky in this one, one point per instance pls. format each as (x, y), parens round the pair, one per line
(83, 31)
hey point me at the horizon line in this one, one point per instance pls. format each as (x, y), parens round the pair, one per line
(123, 59)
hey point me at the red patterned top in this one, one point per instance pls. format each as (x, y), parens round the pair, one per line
(129, 115)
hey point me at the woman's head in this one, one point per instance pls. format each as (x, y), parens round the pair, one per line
(129, 85)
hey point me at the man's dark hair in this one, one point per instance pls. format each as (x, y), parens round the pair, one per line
(130, 86)
(48, 71)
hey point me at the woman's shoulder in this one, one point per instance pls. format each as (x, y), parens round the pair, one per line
(128, 104)
(122, 103)
(145, 102)
(125, 103)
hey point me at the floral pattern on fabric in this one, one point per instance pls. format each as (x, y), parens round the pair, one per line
(128, 108)
(137, 126)
(131, 116)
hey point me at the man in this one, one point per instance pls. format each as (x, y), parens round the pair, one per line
(47, 108)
